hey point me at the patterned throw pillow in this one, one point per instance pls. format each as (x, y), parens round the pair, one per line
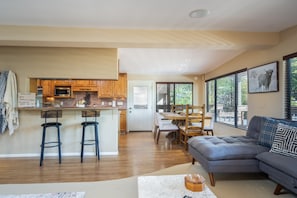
(285, 141)
(267, 133)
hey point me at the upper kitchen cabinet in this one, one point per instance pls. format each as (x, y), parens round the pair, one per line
(120, 86)
(113, 88)
(85, 83)
(105, 89)
(62, 82)
(47, 87)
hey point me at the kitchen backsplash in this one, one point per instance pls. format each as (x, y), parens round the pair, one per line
(87, 99)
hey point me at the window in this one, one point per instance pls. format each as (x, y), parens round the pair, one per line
(173, 93)
(291, 86)
(227, 98)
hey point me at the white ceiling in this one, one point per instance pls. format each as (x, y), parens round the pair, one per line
(228, 15)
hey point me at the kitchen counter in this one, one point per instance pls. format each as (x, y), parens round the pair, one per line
(28, 136)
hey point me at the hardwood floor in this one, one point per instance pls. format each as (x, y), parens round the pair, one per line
(138, 154)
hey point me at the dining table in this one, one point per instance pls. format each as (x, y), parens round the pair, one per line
(179, 118)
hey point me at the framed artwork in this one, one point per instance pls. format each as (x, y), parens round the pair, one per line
(263, 78)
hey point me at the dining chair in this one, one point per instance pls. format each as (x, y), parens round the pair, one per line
(208, 123)
(194, 124)
(163, 125)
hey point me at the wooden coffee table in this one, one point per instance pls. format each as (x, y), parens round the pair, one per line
(171, 186)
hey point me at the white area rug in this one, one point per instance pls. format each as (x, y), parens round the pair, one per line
(227, 185)
(47, 195)
(171, 186)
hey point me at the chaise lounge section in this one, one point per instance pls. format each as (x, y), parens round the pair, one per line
(249, 153)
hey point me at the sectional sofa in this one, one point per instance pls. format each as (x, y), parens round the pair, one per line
(269, 146)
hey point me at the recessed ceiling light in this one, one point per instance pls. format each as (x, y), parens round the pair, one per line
(199, 13)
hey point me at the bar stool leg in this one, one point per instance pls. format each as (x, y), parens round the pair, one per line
(42, 146)
(59, 145)
(97, 142)
(82, 145)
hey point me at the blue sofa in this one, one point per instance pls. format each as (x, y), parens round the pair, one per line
(257, 151)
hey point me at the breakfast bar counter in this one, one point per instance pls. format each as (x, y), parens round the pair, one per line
(26, 139)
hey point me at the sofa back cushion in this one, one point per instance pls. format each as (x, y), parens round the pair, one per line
(255, 126)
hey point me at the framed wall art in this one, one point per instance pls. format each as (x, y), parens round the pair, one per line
(263, 78)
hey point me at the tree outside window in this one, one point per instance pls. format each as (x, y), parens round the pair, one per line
(173, 93)
(227, 98)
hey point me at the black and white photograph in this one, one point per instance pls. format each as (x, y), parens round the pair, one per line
(263, 78)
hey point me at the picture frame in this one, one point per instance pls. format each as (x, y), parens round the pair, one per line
(263, 78)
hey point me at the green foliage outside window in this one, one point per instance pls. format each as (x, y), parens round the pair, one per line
(293, 64)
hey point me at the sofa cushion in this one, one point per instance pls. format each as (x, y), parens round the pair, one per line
(285, 141)
(226, 148)
(280, 162)
(254, 127)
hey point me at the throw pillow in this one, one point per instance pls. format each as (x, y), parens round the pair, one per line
(285, 141)
(268, 131)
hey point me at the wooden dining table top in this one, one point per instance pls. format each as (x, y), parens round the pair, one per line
(177, 116)
(173, 116)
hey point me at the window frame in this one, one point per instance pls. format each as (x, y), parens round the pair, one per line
(167, 107)
(236, 95)
(288, 85)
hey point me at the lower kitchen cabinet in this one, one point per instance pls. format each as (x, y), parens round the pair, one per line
(123, 121)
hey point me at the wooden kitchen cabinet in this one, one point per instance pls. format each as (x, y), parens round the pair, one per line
(47, 87)
(62, 82)
(105, 89)
(123, 121)
(120, 86)
(85, 83)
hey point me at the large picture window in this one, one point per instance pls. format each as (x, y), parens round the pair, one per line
(291, 86)
(227, 98)
(173, 93)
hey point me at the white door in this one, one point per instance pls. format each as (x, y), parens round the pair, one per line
(140, 105)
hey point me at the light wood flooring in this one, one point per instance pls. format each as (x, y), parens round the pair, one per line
(138, 154)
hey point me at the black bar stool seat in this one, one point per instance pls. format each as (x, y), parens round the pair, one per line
(87, 114)
(49, 144)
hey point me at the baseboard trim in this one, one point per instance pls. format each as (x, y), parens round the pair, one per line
(55, 154)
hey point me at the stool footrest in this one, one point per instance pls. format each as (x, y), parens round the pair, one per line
(89, 142)
(47, 144)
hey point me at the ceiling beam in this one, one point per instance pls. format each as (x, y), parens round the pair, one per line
(129, 38)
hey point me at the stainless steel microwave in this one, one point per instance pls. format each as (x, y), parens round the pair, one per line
(63, 91)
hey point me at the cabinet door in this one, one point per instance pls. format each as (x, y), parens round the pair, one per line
(84, 83)
(62, 82)
(47, 87)
(123, 121)
(105, 89)
(120, 86)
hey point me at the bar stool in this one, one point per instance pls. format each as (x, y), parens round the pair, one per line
(50, 114)
(87, 114)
